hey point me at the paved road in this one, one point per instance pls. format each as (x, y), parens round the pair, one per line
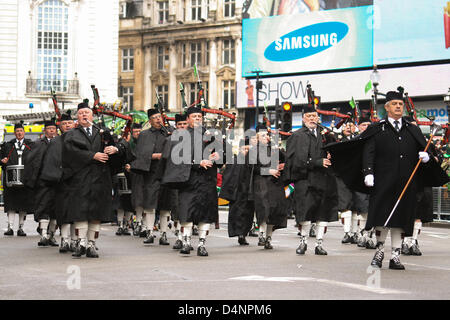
(127, 269)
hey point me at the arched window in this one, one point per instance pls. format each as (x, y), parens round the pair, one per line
(52, 46)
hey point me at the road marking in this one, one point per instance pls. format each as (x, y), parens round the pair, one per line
(331, 282)
(430, 267)
(438, 236)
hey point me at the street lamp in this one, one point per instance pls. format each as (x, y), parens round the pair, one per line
(258, 87)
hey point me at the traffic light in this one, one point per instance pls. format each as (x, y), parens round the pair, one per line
(286, 116)
(316, 101)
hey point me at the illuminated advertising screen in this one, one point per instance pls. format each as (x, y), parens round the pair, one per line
(293, 36)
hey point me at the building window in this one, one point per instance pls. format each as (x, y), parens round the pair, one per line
(163, 57)
(196, 7)
(196, 54)
(228, 52)
(128, 98)
(183, 55)
(127, 59)
(228, 94)
(163, 93)
(193, 89)
(163, 11)
(52, 46)
(229, 6)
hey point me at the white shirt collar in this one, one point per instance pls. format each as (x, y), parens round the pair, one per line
(391, 120)
(21, 141)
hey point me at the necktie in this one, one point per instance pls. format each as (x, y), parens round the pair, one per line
(396, 123)
(19, 144)
(88, 130)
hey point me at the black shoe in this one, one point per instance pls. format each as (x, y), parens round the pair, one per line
(261, 241)
(354, 238)
(137, 230)
(65, 247)
(301, 248)
(119, 231)
(320, 251)
(9, 232)
(395, 263)
(362, 242)
(377, 260)
(163, 240)
(73, 246)
(43, 242)
(267, 244)
(405, 249)
(195, 231)
(178, 245)
(186, 249)
(242, 241)
(21, 233)
(370, 244)
(126, 232)
(347, 238)
(52, 242)
(143, 233)
(80, 251)
(91, 253)
(201, 251)
(414, 249)
(149, 237)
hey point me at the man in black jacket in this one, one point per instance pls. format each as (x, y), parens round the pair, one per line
(315, 197)
(87, 166)
(44, 193)
(16, 199)
(380, 162)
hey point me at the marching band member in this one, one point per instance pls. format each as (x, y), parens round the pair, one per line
(315, 196)
(44, 193)
(86, 163)
(149, 194)
(17, 200)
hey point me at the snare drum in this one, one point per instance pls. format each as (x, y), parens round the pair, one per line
(14, 176)
(123, 184)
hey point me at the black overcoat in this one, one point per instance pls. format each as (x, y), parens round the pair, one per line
(315, 195)
(391, 157)
(197, 191)
(16, 198)
(87, 182)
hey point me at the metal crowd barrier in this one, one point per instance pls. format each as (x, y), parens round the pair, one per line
(441, 204)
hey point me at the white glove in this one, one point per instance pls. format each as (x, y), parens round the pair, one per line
(368, 180)
(424, 156)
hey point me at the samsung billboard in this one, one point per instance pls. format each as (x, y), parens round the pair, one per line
(342, 35)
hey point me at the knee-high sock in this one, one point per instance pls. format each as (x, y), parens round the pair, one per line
(416, 231)
(11, 218)
(178, 228)
(65, 231)
(354, 222)
(93, 231)
(81, 228)
(269, 230)
(44, 225)
(347, 217)
(187, 229)
(381, 234)
(305, 228)
(396, 238)
(164, 220)
(321, 225)
(149, 219)
(362, 221)
(73, 235)
(203, 229)
(127, 217)
(263, 229)
(22, 216)
(139, 211)
(52, 226)
(120, 215)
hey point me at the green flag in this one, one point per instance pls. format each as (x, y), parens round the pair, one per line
(368, 86)
(352, 103)
(195, 71)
